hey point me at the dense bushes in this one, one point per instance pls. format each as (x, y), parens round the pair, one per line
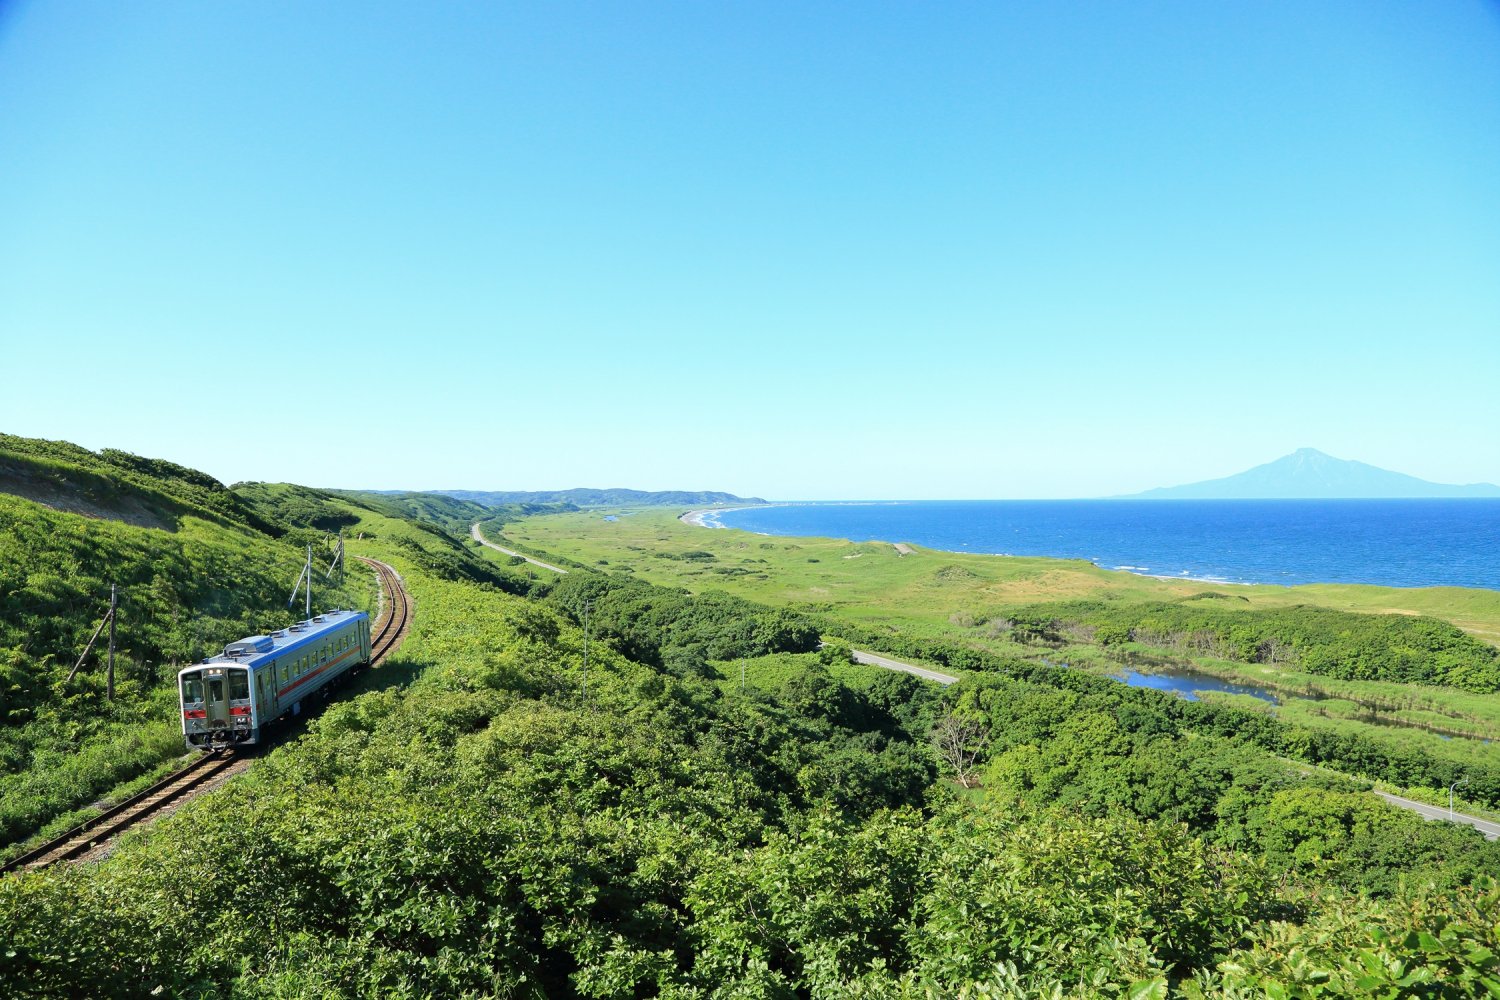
(1357, 749)
(1076, 750)
(660, 626)
(509, 825)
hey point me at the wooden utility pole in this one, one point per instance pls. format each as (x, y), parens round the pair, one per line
(304, 577)
(109, 681)
(108, 619)
(338, 559)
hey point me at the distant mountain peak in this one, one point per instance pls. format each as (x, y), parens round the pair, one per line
(1310, 474)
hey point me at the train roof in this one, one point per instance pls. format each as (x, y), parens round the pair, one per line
(253, 650)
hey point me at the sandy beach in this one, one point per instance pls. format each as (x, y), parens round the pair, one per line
(708, 517)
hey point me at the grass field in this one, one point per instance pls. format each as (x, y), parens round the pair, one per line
(926, 589)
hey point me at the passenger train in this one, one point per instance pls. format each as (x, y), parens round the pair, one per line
(229, 699)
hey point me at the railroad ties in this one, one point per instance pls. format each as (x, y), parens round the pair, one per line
(89, 836)
(395, 618)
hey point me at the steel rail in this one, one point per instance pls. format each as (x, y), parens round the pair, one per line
(394, 621)
(121, 816)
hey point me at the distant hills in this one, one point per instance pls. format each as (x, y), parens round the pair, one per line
(1309, 474)
(600, 498)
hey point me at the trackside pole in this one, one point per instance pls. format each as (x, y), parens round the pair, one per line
(109, 677)
(304, 577)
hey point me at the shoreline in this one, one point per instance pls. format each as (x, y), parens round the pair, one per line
(707, 517)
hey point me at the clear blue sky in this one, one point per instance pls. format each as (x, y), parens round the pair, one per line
(795, 250)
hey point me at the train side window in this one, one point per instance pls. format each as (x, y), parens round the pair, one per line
(239, 685)
(283, 673)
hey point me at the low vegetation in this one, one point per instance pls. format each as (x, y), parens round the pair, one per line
(596, 786)
(1429, 666)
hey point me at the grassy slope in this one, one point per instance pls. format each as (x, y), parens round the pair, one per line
(872, 582)
(196, 565)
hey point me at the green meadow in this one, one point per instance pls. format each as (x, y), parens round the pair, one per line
(927, 588)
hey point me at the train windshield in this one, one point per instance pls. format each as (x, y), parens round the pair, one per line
(192, 687)
(239, 684)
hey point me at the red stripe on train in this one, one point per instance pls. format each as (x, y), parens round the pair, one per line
(331, 663)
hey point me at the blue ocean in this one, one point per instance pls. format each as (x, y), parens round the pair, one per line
(1396, 543)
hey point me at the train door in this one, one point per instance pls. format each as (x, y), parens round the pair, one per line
(216, 700)
(265, 693)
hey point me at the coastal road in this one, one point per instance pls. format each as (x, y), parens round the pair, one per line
(1490, 829)
(876, 660)
(474, 530)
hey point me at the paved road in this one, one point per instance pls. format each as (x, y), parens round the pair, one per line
(1490, 829)
(474, 530)
(874, 659)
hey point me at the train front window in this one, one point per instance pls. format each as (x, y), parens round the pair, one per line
(192, 687)
(216, 689)
(239, 684)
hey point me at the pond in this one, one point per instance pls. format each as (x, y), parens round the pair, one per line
(1185, 682)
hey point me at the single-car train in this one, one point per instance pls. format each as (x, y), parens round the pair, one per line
(229, 699)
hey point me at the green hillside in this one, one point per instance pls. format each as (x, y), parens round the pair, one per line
(592, 785)
(116, 485)
(195, 566)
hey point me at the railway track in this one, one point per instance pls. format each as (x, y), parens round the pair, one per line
(89, 836)
(93, 838)
(394, 619)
